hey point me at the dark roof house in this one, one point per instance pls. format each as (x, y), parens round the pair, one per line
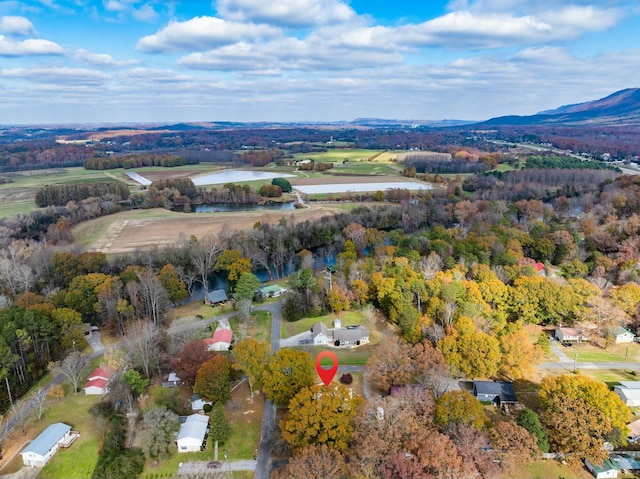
(499, 392)
(217, 296)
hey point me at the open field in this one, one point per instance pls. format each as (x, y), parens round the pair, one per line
(131, 231)
(614, 352)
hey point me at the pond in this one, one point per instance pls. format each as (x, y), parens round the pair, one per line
(235, 176)
(224, 207)
(361, 187)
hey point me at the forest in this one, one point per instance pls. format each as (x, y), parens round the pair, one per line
(460, 274)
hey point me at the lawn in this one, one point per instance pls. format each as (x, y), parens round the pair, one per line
(363, 169)
(547, 469)
(614, 352)
(612, 377)
(80, 459)
(349, 318)
(339, 155)
(198, 308)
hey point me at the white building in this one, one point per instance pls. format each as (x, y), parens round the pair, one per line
(629, 392)
(43, 447)
(193, 433)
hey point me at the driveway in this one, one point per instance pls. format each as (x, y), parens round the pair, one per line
(200, 467)
(295, 340)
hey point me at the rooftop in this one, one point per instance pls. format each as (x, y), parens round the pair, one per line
(47, 439)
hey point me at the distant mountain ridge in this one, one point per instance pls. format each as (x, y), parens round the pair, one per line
(619, 108)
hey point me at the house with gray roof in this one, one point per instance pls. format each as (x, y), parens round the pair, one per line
(43, 447)
(497, 392)
(321, 334)
(217, 296)
(629, 392)
(339, 336)
(192, 436)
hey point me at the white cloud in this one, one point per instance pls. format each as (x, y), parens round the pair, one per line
(291, 13)
(15, 25)
(202, 33)
(286, 54)
(102, 59)
(471, 30)
(154, 75)
(145, 13)
(13, 48)
(56, 75)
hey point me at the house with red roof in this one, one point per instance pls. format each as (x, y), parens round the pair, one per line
(98, 380)
(221, 339)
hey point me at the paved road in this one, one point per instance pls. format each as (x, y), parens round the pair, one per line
(264, 463)
(200, 467)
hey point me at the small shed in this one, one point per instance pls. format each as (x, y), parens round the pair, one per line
(606, 470)
(497, 392)
(43, 447)
(192, 436)
(217, 297)
(197, 403)
(622, 335)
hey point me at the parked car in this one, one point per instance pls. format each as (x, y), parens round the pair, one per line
(214, 464)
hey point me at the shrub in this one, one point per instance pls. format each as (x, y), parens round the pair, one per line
(346, 378)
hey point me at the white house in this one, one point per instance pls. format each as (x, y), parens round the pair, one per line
(629, 392)
(320, 333)
(339, 336)
(571, 334)
(606, 470)
(622, 335)
(43, 447)
(193, 433)
(98, 380)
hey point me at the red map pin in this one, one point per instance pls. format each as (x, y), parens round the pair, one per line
(327, 374)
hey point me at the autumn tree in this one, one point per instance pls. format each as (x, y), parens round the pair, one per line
(470, 352)
(189, 360)
(158, 431)
(514, 443)
(320, 415)
(234, 264)
(137, 384)
(391, 365)
(287, 372)
(173, 285)
(251, 356)
(519, 354)
(142, 347)
(579, 412)
(316, 462)
(460, 407)
(213, 379)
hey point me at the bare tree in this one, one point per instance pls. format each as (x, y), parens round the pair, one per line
(71, 367)
(141, 347)
(244, 307)
(154, 296)
(40, 401)
(204, 254)
(20, 412)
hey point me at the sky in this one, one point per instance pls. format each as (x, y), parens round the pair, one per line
(148, 61)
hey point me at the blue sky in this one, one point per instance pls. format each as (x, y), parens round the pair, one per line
(84, 61)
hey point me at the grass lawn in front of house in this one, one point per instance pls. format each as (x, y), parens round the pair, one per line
(613, 353)
(348, 318)
(547, 469)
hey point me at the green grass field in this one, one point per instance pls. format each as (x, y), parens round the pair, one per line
(338, 155)
(296, 327)
(80, 459)
(615, 352)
